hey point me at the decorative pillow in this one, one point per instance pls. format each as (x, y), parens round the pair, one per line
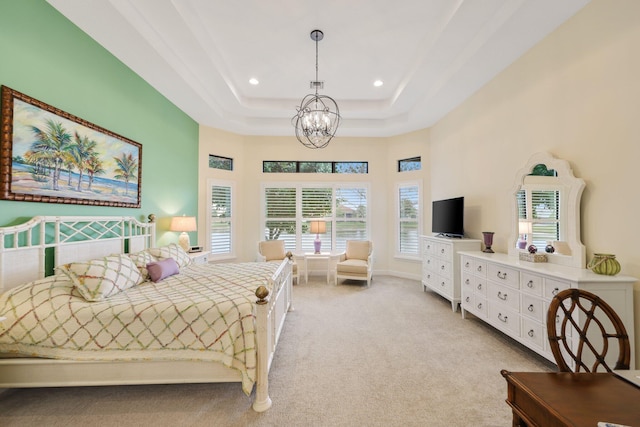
(172, 251)
(141, 259)
(162, 269)
(99, 279)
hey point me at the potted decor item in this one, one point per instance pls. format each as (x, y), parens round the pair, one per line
(488, 241)
(604, 264)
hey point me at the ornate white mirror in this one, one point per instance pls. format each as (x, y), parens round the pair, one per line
(546, 211)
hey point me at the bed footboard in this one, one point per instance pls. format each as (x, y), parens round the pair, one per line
(271, 311)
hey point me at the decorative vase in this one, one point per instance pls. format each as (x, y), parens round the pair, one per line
(488, 241)
(604, 264)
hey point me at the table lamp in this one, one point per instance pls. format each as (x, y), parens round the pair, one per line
(524, 228)
(183, 224)
(318, 227)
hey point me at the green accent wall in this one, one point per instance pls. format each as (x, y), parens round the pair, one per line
(45, 56)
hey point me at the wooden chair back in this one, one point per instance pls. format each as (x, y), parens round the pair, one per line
(574, 313)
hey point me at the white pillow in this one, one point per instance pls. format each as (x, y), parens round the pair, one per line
(99, 279)
(172, 251)
(141, 259)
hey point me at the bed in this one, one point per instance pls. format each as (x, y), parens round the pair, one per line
(207, 323)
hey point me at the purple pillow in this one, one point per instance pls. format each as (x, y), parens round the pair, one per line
(162, 269)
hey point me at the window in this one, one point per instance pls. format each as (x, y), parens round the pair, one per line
(314, 167)
(409, 215)
(289, 209)
(539, 207)
(412, 164)
(220, 219)
(219, 162)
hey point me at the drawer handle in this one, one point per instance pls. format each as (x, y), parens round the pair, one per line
(479, 306)
(530, 333)
(502, 275)
(479, 268)
(555, 291)
(530, 308)
(467, 282)
(502, 296)
(428, 276)
(442, 284)
(442, 251)
(503, 318)
(479, 286)
(468, 299)
(442, 267)
(428, 246)
(428, 261)
(466, 264)
(530, 284)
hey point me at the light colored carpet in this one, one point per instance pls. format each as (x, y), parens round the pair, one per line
(388, 355)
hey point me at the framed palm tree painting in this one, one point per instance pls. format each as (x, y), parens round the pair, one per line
(48, 155)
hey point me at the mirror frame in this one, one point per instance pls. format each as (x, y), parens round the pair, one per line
(570, 189)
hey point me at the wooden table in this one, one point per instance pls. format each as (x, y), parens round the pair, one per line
(549, 399)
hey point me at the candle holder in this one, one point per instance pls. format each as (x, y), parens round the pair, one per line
(488, 241)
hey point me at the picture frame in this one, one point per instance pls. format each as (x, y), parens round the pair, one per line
(48, 155)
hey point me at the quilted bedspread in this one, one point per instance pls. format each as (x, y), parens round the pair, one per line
(204, 313)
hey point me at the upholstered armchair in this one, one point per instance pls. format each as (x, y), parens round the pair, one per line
(355, 262)
(273, 250)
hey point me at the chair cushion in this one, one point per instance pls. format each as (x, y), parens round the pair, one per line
(357, 249)
(352, 266)
(272, 249)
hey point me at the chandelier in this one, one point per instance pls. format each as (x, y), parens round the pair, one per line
(318, 116)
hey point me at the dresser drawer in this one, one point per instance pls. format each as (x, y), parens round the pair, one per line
(443, 284)
(480, 267)
(534, 333)
(552, 287)
(429, 264)
(479, 285)
(504, 318)
(428, 247)
(503, 275)
(503, 296)
(533, 307)
(531, 283)
(466, 264)
(475, 304)
(428, 278)
(443, 250)
(443, 268)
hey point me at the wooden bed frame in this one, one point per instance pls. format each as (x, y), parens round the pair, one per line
(31, 250)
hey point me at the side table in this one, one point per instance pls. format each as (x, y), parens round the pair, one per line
(201, 257)
(323, 256)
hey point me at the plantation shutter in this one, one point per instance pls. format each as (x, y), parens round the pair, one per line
(351, 216)
(220, 219)
(280, 214)
(409, 209)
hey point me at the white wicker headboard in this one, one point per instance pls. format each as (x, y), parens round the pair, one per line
(31, 250)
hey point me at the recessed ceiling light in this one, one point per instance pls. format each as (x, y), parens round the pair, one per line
(253, 81)
(378, 83)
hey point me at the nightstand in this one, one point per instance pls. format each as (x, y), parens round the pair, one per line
(199, 257)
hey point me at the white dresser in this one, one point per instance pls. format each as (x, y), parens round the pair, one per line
(441, 265)
(513, 296)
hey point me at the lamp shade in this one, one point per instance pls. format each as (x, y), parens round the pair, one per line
(183, 223)
(524, 227)
(318, 227)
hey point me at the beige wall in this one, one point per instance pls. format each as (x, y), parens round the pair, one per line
(576, 95)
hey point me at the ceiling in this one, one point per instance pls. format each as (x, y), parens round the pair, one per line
(430, 54)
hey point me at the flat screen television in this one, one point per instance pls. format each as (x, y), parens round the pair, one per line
(447, 217)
